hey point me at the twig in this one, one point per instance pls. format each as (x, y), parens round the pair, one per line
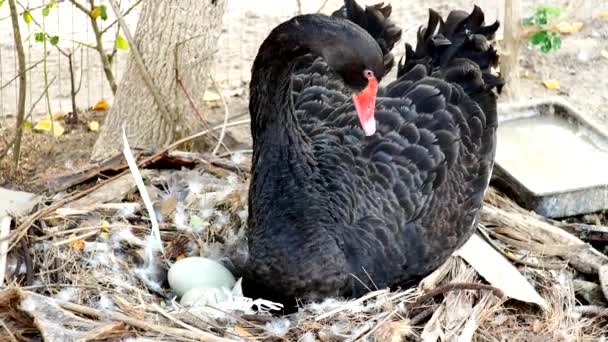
(422, 316)
(322, 6)
(45, 91)
(73, 91)
(107, 68)
(191, 101)
(579, 255)
(29, 265)
(139, 62)
(220, 141)
(7, 83)
(484, 233)
(8, 331)
(175, 320)
(143, 325)
(193, 105)
(30, 9)
(22, 83)
(192, 137)
(456, 286)
(22, 230)
(350, 304)
(124, 15)
(8, 147)
(76, 238)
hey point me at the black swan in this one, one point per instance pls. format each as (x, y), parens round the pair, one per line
(355, 186)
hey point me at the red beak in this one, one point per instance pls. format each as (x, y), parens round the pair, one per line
(365, 104)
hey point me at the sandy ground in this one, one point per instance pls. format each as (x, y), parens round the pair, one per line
(579, 66)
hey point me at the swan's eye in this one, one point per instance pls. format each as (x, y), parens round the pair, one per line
(368, 74)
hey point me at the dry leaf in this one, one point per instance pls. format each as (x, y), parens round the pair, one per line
(101, 105)
(211, 96)
(94, 126)
(240, 331)
(59, 115)
(105, 227)
(167, 206)
(573, 27)
(498, 271)
(77, 244)
(46, 126)
(551, 84)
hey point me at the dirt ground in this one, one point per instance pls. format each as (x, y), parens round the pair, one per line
(580, 67)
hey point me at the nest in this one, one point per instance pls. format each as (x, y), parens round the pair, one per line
(84, 266)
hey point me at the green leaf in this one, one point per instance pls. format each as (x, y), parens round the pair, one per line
(54, 40)
(527, 21)
(541, 18)
(122, 43)
(53, 4)
(104, 12)
(539, 37)
(27, 17)
(39, 36)
(100, 12)
(556, 41)
(1, 2)
(45, 11)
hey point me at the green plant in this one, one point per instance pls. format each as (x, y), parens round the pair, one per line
(546, 40)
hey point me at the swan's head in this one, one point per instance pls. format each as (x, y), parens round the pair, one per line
(365, 103)
(360, 63)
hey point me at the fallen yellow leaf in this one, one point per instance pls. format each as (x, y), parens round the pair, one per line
(105, 226)
(551, 84)
(46, 126)
(77, 244)
(27, 124)
(240, 331)
(101, 105)
(180, 257)
(211, 96)
(59, 115)
(94, 126)
(573, 27)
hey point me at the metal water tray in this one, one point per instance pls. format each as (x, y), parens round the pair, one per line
(551, 158)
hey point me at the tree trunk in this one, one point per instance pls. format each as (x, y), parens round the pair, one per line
(175, 38)
(509, 64)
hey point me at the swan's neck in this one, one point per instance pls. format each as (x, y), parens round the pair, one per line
(280, 146)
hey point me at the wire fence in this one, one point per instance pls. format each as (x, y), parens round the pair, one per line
(246, 23)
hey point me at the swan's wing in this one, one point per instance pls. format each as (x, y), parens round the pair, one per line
(423, 175)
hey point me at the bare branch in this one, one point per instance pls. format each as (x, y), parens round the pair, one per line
(105, 62)
(220, 141)
(22, 82)
(21, 73)
(124, 15)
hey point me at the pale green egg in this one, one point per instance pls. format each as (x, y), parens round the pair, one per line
(193, 272)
